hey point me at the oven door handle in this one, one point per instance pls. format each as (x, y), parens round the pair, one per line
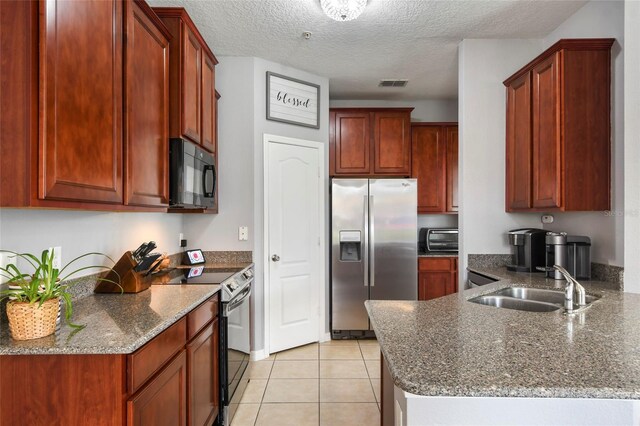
(231, 306)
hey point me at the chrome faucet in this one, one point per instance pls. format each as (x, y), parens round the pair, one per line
(573, 288)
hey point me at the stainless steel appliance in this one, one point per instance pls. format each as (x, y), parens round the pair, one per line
(235, 329)
(373, 248)
(439, 239)
(527, 248)
(571, 252)
(192, 175)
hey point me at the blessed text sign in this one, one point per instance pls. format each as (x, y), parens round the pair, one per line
(292, 101)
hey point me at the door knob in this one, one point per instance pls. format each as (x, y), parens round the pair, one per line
(275, 258)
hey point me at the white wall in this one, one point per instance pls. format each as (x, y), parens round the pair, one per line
(601, 19)
(632, 146)
(425, 110)
(242, 117)
(79, 232)
(483, 66)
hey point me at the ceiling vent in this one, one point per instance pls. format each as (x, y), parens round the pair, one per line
(393, 83)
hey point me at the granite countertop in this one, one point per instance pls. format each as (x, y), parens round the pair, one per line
(451, 347)
(437, 253)
(117, 323)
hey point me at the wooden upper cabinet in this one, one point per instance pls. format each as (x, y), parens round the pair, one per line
(429, 167)
(147, 97)
(81, 101)
(352, 142)
(191, 86)
(435, 166)
(370, 142)
(192, 109)
(558, 129)
(452, 168)
(518, 158)
(209, 105)
(392, 143)
(546, 134)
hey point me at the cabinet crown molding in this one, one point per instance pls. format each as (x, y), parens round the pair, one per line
(181, 13)
(563, 44)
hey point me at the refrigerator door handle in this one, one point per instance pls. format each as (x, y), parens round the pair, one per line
(365, 243)
(372, 244)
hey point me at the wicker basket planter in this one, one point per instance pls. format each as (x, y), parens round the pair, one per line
(30, 321)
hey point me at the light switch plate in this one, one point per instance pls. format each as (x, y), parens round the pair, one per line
(5, 260)
(243, 233)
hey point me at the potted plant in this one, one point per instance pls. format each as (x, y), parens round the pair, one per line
(35, 298)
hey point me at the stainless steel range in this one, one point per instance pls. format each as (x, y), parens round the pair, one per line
(235, 329)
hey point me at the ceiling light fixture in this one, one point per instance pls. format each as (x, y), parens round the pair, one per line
(343, 10)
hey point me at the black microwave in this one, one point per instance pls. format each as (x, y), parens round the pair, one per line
(192, 175)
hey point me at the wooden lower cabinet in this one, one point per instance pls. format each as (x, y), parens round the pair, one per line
(172, 380)
(437, 277)
(202, 362)
(164, 400)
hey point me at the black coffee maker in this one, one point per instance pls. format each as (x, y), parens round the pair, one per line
(527, 249)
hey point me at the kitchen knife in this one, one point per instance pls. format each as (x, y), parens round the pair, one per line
(154, 267)
(147, 262)
(136, 253)
(148, 249)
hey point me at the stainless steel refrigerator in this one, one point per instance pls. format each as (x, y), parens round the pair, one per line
(373, 248)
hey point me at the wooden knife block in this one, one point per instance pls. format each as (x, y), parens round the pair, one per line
(130, 281)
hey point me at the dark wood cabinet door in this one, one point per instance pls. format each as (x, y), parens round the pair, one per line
(429, 158)
(147, 121)
(452, 168)
(163, 401)
(518, 155)
(392, 143)
(547, 150)
(352, 142)
(191, 86)
(81, 101)
(432, 285)
(202, 394)
(208, 105)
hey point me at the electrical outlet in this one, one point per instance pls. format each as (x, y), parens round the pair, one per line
(243, 233)
(546, 218)
(57, 257)
(6, 259)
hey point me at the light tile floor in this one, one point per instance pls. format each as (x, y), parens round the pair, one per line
(335, 383)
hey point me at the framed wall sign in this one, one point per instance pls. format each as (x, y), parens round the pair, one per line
(293, 101)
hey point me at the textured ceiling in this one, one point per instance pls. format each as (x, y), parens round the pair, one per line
(412, 39)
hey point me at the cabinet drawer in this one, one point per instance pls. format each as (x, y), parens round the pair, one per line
(147, 360)
(201, 316)
(436, 264)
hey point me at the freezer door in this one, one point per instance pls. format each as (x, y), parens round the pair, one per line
(349, 254)
(392, 236)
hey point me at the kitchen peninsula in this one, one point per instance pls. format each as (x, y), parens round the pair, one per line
(449, 361)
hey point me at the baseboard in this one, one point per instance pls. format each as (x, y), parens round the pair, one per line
(258, 355)
(326, 337)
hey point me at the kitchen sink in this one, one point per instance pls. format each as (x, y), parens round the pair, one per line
(527, 299)
(513, 303)
(538, 295)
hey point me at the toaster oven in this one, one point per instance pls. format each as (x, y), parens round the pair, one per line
(441, 239)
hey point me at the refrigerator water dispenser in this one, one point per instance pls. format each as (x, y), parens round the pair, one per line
(350, 246)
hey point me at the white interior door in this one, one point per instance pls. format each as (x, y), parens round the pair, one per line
(294, 200)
